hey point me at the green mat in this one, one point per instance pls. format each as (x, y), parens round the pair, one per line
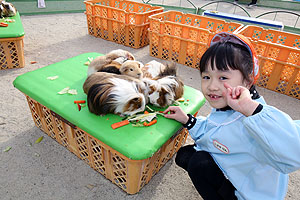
(136, 143)
(14, 29)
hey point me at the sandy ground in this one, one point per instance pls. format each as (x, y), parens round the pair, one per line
(49, 171)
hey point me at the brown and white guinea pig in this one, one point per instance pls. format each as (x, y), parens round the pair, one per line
(152, 69)
(164, 91)
(165, 88)
(112, 93)
(117, 57)
(130, 68)
(7, 9)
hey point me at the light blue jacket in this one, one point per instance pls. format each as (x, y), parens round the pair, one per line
(255, 153)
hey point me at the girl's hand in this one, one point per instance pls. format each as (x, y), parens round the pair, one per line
(239, 99)
(176, 113)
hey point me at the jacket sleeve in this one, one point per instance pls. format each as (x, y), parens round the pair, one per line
(278, 137)
(199, 128)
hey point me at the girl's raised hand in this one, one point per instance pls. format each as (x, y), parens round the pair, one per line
(239, 99)
(175, 112)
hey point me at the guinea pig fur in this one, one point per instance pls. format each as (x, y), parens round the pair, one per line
(132, 68)
(165, 86)
(112, 55)
(129, 68)
(112, 93)
(152, 69)
(7, 9)
(164, 91)
(119, 56)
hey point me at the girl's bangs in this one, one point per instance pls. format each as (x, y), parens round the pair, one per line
(220, 57)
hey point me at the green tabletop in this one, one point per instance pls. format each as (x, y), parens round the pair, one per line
(14, 29)
(136, 143)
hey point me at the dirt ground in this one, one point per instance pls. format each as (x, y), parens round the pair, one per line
(49, 171)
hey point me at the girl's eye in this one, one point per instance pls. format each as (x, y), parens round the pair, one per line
(205, 77)
(223, 78)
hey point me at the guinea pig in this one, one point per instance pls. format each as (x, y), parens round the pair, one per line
(7, 9)
(132, 68)
(112, 93)
(166, 87)
(152, 69)
(116, 57)
(164, 91)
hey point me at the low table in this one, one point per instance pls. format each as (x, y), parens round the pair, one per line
(128, 156)
(11, 43)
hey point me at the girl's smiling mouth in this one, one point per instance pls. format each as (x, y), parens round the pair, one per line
(214, 97)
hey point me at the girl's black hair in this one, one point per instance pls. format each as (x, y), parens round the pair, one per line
(226, 55)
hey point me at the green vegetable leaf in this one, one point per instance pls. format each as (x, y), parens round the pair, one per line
(7, 149)
(39, 140)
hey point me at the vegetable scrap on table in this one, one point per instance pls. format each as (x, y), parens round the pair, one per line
(80, 104)
(89, 61)
(67, 90)
(52, 78)
(148, 118)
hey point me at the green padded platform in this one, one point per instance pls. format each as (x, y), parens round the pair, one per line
(136, 143)
(14, 29)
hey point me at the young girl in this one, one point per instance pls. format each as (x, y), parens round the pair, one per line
(245, 148)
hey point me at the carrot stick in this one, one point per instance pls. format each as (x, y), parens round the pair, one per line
(146, 112)
(79, 107)
(150, 123)
(119, 124)
(79, 101)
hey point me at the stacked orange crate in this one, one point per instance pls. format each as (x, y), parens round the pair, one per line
(123, 22)
(279, 59)
(184, 38)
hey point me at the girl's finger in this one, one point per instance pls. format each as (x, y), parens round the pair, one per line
(233, 95)
(228, 92)
(238, 91)
(166, 111)
(170, 108)
(226, 85)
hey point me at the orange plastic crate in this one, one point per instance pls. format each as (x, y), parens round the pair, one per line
(123, 22)
(11, 53)
(129, 175)
(279, 59)
(269, 35)
(184, 38)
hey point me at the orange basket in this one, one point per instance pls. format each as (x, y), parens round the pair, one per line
(279, 59)
(123, 22)
(184, 38)
(129, 175)
(11, 53)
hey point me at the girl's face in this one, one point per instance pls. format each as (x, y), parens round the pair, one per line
(212, 85)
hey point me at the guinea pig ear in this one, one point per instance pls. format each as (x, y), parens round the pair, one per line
(134, 104)
(152, 89)
(130, 56)
(141, 65)
(123, 69)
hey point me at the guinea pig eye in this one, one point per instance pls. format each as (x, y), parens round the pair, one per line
(135, 99)
(131, 69)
